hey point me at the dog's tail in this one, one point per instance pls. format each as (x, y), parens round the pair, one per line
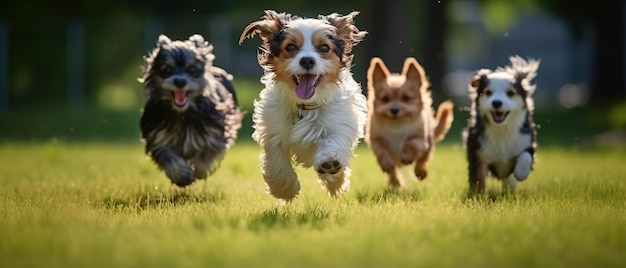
(444, 118)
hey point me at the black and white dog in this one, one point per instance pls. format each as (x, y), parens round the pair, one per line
(191, 115)
(501, 137)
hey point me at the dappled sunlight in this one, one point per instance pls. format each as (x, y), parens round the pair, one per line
(573, 95)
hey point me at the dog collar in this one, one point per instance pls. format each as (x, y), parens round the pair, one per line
(309, 106)
(306, 107)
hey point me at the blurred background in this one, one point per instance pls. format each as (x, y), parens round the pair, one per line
(69, 69)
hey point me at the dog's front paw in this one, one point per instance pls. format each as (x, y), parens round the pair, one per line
(180, 173)
(407, 157)
(331, 166)
(523, 166)
(386, 164)
(421, 173)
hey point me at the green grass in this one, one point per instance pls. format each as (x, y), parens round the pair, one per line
(104, 204)
(76, 190)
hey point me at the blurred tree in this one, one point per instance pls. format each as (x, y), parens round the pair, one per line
(605, 20)
(435, 58)
(403, 28)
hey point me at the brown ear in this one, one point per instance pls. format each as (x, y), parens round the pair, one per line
(377, 73)
(479, 79)
(346, 31)
(268, 27)
(413, 71)
(345, 27)
(475, 82)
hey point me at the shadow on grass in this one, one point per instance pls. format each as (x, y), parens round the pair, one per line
(491, 196)
(157, 200)
(313, 217)
(388, 195)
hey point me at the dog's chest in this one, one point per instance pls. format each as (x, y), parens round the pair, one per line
(185, 139)
(499, 145)
(396, 136)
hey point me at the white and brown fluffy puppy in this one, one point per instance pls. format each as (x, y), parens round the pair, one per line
(311, 111)
(501, 136)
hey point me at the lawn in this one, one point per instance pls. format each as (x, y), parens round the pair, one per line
(77, 191)
(104, 204)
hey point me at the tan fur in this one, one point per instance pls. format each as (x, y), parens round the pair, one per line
(401, 127)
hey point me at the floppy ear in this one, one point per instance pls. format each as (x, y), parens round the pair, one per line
(346, 31)
(377, 74)
(163, 40)
(268, 27)
(479, 79)
(413, 71)
(345, 27)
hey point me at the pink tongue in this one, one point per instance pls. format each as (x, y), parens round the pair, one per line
(180, 97)
(306, 88)
(498, 116)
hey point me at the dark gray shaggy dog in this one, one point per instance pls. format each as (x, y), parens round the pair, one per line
(191, 115)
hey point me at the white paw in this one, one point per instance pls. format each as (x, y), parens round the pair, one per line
(522, 166)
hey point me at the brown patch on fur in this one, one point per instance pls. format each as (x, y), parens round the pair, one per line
(347, 31)
(334, 65)
(401, 127)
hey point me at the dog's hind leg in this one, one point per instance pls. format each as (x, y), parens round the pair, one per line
(509, 184)
(386, 163)
(206, 162)
(395, 179)
(175, 167)
(280, 178)
(477, 175)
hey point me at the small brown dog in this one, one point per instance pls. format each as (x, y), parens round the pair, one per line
(401, 128)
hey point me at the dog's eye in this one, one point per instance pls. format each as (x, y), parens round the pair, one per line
(510, 93)
(166, 71)
(406, 98)
(291, 48)
(385, 99)
(487, 93)
(193, 71)
(323, 48)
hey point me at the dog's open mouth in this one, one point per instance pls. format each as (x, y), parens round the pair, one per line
(180, 97)
(306, 84)
(499, 116)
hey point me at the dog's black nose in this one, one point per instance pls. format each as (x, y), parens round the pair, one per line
(394, 111)
(307, 62)
(496, 104)
(180, 83)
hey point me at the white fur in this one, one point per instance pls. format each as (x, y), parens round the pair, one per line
(503, 141)
(523, 166)
(307, 27)
(330, 132)
(505, 146)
